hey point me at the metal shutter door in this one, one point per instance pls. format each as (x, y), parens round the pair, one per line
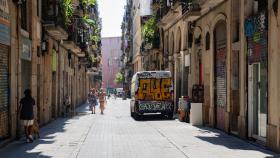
(221, 89)
(4, 91)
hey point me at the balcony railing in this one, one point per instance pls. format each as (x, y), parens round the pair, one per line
(190, 5)
(156, 42)
(153, 44)
(51, 13)
(78, 34)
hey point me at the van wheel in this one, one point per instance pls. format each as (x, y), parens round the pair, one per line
(136, 116)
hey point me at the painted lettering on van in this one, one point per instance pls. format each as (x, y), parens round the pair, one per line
(155, 106)
(154, 89)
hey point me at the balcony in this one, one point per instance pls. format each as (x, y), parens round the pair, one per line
(52, 19)
(70, 45)
(190, 7)
(153, 44)
(78, 33)
(192, 10)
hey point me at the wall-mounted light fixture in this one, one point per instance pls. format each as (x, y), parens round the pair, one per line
(44, 46)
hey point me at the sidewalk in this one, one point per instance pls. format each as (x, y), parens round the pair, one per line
(64, 135)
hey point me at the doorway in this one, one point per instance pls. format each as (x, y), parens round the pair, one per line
(235, 99)
(39, 85)
(220, 75)
(257, 110)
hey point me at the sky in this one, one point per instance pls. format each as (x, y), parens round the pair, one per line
(111, 12)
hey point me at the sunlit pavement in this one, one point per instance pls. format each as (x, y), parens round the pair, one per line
(117, 135)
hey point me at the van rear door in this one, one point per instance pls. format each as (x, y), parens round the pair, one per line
(154, 89)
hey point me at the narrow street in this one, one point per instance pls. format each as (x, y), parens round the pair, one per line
(117, 135)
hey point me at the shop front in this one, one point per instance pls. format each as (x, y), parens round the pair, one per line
(4, 69)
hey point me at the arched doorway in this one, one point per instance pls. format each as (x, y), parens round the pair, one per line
(197, 50)
(220, 73)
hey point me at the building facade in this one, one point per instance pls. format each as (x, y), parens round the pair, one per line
(111, 62)
(136, 31)
(37, 53)
(225, 50)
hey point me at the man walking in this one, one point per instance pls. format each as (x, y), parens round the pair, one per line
(27, 114)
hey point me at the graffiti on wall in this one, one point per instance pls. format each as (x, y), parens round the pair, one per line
(221, 62)
(221, 77)
(256, 23)
(157, 89)
(257, 48)
(155, 106)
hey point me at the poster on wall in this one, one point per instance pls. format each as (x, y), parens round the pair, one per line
(5, 35)
(26, 49)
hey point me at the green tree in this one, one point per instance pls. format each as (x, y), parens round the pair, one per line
(67, 10)
(149, 29)
(119, 78)
(89, 2)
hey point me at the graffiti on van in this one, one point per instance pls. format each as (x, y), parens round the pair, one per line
(155, 106)
(157, 89)
(153, 75)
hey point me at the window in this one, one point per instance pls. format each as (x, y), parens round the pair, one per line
(190, 39)
(38, 8)
(38, 51)
(24, 15)
(262, 5)
(207, 41)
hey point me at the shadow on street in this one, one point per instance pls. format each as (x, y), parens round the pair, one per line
(223, 139)
(21, 149)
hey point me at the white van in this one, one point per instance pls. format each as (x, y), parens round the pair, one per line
(151, 92)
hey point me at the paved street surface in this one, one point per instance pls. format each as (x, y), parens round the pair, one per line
(117, 135)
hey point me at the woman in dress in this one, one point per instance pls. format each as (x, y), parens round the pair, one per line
(102, 100)
(92, 100)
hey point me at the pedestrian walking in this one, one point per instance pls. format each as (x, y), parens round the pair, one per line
(67, 104)
(102, 100)
(92, 100)
(109, 95)
(27, 114)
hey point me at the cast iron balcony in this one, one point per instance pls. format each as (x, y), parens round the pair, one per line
(190, 5)
(52, 19)
(51, 13)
